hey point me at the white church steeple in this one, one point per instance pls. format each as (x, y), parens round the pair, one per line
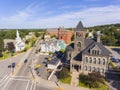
(18, 36)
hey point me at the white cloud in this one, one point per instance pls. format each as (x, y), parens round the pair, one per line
(89, 17)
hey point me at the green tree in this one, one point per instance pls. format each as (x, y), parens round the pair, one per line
(108, 40)
(1, 45)
(64, 73)
(10, 47)
(91, 79)
(37, 34)
(53, 36)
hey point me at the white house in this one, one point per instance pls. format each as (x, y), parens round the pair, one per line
(52, 45)
(19, 43)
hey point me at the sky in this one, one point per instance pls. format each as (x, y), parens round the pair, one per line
(21, 14)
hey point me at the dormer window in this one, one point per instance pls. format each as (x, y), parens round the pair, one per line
(95, 52)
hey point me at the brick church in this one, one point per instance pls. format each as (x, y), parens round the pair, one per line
(87, 55)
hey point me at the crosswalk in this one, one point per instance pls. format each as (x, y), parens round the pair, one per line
(7, 80)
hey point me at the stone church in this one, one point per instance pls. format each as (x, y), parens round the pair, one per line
(87, 55)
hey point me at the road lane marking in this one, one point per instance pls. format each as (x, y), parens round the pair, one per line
(4, 81)
(32, 85)
(20, 79)
(3, 78)
(27, 85)
(6, 84)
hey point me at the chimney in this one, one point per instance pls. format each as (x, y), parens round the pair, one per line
(98, 36)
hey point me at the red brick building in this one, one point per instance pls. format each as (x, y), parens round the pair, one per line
(65, 35)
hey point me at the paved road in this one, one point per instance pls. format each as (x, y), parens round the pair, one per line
(23, 78)
(112, 76)
(4, 70)
(114, 79)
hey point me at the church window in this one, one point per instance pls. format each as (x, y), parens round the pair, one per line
(79, 46)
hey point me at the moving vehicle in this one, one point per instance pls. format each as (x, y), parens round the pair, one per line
(13, 65)
(25, 60)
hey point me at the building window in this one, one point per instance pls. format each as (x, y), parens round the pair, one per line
(86, 59)
(90, 60)
(85, 68)
(93, 68)
(101, 70)
(99, 61)
(103, 61)
(89, 68)
(79, 46)
(94, 61)
(95, 52)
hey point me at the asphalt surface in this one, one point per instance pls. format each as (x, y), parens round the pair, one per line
(22, 78)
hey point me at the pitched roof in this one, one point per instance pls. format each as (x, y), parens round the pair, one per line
(91, 44)
(79, 27)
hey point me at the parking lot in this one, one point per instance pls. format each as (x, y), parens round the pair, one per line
(42, 70)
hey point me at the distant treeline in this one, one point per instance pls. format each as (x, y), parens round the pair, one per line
(11, 33)
(110, 33)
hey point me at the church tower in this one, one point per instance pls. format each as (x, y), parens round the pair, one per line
(18, 36)
(79, 38)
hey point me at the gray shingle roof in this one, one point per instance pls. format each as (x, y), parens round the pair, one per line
(79, 27)
(91, 43)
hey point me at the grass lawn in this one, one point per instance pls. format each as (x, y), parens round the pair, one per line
(6, 55)
(83, 85)
(66, 80)
(101, 87)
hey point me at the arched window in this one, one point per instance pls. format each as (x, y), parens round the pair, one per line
(86, 59)
(93, 68)
(89, 68)
(102, 70)
(90, 60)
(98, 70)
(79, 46)
(99, 61)
(103, 61)
(94, 61)
(85, 68)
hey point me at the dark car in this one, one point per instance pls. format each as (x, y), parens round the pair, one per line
(25, 60)
(13, 65)
(9, 66)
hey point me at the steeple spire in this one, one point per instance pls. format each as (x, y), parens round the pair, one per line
(18, 36)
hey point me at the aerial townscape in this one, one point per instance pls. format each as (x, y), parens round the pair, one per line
(63, 45)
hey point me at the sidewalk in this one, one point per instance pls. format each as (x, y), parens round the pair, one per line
(57, 85)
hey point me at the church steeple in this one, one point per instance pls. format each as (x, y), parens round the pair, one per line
(18, 36)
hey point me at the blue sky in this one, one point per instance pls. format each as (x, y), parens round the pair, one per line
(55, 13)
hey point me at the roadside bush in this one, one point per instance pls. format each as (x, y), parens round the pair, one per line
(64, 73)
(92, 79)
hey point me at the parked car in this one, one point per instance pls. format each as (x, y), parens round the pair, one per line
(9, 66)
